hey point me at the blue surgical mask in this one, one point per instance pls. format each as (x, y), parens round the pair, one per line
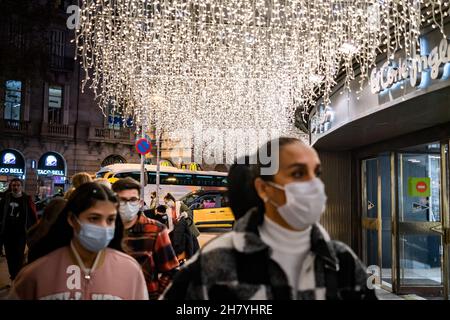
(94, 238)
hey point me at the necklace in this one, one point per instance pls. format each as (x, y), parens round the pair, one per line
(87, 272)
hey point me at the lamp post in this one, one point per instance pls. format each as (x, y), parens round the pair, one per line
(158, 165)
(142, 166)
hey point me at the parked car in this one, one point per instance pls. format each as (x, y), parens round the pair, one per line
(210, 208)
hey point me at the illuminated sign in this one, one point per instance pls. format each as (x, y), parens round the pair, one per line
(9, 158)
(11, 171)
(393, 72)
(51, 172)
(51, 161)
(12, 163)
(419, 187)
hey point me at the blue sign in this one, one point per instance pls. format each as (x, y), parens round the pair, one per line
(143, 146)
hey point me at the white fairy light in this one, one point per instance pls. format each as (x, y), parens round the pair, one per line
(237, 63)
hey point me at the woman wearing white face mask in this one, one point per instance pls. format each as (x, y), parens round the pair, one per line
(277, 249)
(82, 254)
(177, 209)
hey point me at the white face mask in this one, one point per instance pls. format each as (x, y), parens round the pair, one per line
(128, 211)
(305, 202)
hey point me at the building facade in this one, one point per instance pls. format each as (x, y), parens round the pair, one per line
(49, 129)
(387, 151)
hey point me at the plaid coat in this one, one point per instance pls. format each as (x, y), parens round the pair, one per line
(149, 243)
(237, 266)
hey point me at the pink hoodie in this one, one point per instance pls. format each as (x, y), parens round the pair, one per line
(57, 276)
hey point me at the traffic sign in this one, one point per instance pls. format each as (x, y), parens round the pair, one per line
(143, 146)
(419, 187)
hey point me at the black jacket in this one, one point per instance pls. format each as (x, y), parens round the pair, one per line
(29, 213)
(238, 266)
(182, 238)
(158, 217)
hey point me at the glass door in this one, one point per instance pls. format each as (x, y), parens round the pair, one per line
(445, 176)
(419, 239)
(377, 218)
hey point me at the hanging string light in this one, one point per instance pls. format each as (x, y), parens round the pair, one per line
(238, 63)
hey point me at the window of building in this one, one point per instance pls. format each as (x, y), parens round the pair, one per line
(112, 159)
(55, 104)
(115, 120)
(57, 48)
(13, 99)
(57, 42)
(13, 34)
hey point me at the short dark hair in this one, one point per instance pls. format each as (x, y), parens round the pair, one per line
(126, 184)
(241, 193)
(161, 208)
(169, 196)
(16, 179)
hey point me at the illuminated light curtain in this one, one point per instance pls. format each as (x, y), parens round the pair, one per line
(238, 63)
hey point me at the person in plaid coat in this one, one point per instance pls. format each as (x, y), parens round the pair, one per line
(145, 239)
(277, 249)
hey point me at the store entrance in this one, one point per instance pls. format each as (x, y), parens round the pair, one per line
(404, 211)
(377, 217)
(420, 243)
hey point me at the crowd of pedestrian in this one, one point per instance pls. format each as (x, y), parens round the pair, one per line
(99, 241)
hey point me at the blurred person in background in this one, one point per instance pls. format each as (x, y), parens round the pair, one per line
(104, 182)
(158, 214)
(176, 209)
(17, 215)
(152, 204)
(77, 180)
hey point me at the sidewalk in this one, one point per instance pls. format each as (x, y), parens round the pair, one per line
(4, 278)
(386, 295)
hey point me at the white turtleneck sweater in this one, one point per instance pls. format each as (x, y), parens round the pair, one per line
(289, 248)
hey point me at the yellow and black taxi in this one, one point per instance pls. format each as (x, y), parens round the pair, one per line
(210, 208)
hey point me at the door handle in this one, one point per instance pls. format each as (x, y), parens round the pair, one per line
(438, 229)
(445, 232)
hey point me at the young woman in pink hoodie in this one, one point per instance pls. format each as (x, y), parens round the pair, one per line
(81, 254)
